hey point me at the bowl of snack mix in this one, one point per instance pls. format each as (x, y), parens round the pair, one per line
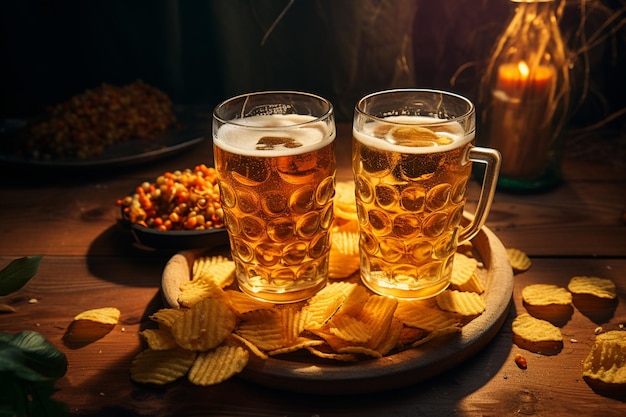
(178, 210)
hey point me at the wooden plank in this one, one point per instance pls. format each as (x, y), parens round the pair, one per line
(487, 384)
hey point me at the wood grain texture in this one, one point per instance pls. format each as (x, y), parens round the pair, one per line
(89, 262)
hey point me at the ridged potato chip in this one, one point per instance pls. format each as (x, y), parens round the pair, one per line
(350, 329)
(296, 344)
(536, 335)
(342, 357)
(464, 276)
(344, 204)
(159, 339)
(323, 305)
(242, 303)
(344, 255)
(595, 286)
(422, 315)
(161, 366)
(606, 362)
(377, 317)
(217, 268)
(548, 302)
(105, 315)
(436, 334)
(520, 262)
(264, 329)
(195, 290)
(546, 294)
(466, 304)
(377, 313)
(165, 317)
(218, 365)
(91, 325)
(205, 325)
(250, 346)
(344, 201)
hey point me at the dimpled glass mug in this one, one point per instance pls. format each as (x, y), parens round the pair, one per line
(275, 160)
(412, 160)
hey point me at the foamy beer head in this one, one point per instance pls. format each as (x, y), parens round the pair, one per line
(412, 153)
(275, 159)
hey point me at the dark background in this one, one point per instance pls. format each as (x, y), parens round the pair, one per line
(201, 52)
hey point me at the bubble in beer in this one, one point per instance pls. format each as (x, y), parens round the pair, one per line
(280, 229)
(301, 200)
(229, 199)
(294, 253)
(252, 227)
(435, 224)
(420, 250)
(368, 243)
(455, 216)
(251, 172)
(444, 247)
(416, 167)
(364, 190)
(380, 222)
(430, 272)
(386, 196)
(307, 272)
(308, 225)
(231, 222)
(248, 201)
(413, 199)
(325, 191)
(298, 169)
(283, 277)
(438, 196)
(274, 203)
(391, 249)
(327, 216)
(457, 194)
(361, 213)
(318, 245)
(375, 163)
(404, 274)
(242, 250)
(406, 226)
(267, 254)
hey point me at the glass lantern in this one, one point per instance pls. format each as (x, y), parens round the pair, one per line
(524, 98)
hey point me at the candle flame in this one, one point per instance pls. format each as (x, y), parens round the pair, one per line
(523, 69)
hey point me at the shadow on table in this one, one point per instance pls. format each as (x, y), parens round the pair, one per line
(114, 257)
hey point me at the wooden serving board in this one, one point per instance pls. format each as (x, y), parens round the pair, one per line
(302, 372)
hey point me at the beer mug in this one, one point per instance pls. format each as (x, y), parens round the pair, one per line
(412, 159)
(275, 160)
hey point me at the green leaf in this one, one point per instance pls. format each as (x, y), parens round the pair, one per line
(29, 356)
(16, 274)
(27, 399)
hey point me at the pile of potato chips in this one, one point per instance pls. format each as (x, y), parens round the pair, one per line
(210, 336)
(549, 305)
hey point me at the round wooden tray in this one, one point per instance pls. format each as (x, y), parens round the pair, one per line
(303, 372)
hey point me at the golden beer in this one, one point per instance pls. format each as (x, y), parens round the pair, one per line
(276, 176)
(411, 173)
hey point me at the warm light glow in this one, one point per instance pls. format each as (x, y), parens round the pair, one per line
(523, 69)
(516, 79)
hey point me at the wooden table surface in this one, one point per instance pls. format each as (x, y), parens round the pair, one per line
(89, 262)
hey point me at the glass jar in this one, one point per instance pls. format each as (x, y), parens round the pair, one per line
(524, 98)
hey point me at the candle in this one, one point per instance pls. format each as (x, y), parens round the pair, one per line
(517, 80)
(518, 127)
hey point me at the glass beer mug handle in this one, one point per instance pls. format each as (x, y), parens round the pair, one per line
(491, 158)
